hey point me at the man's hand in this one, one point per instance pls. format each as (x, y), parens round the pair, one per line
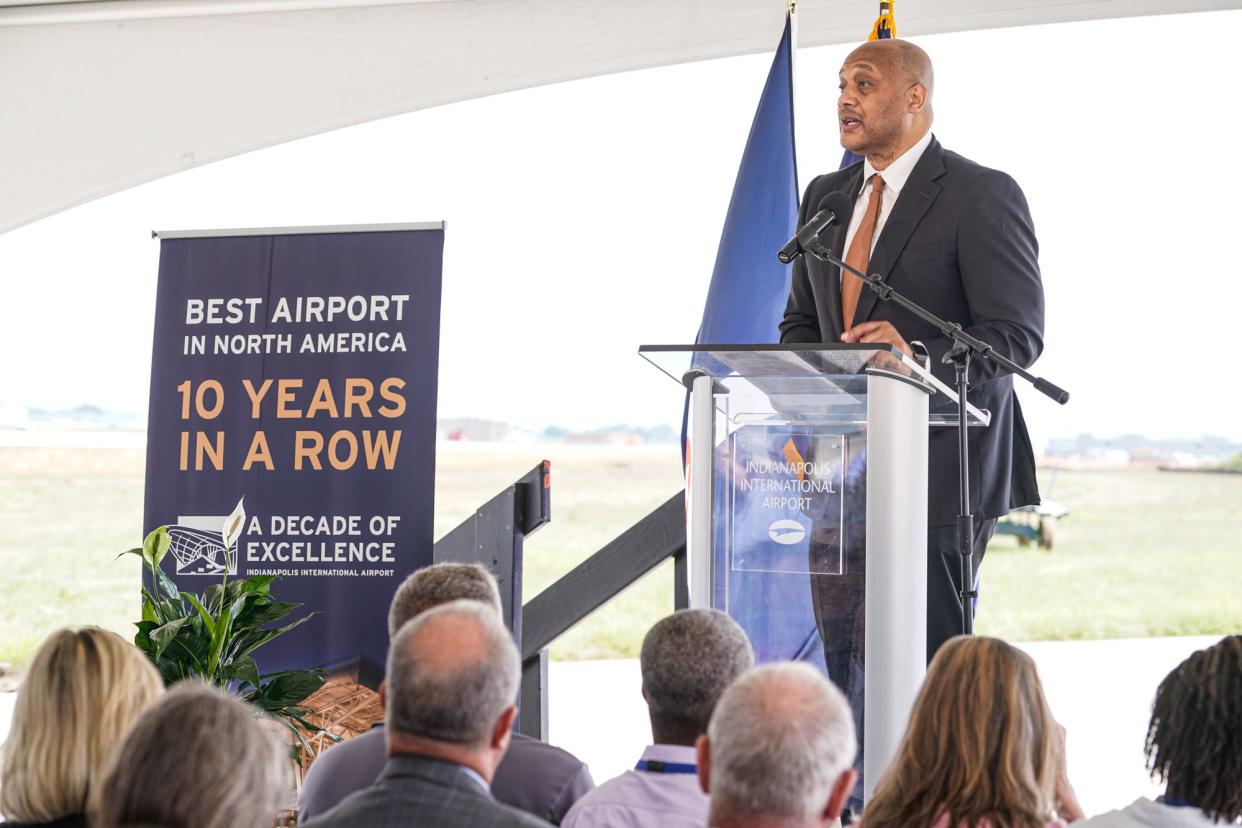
(874, 333)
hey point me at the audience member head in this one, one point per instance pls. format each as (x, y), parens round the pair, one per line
(197, 759)
(83, 690)
(981, 744)
(438, 584)
(1194, 741)
(779, 750)
(688, 659)
(452, 680)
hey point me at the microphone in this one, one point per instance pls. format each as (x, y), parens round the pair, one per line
(835, 207)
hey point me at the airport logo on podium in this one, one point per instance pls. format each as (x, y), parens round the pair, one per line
(787, 532)
(207, 544)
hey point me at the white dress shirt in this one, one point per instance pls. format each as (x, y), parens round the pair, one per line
(1143, 813)
(643, 799)
(895, 177)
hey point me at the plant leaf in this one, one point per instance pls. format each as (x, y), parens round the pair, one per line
(300, 736)
(220, 635)
(243, 670)
(260, 637)
(155, 546)
(208, 621)
(309, 725)
(258, 613)
(166, 583)
(156, 608)
(142, 638)
(189, 648)
(258, 584)
(213, 598)
(286, 688)
(163, 635)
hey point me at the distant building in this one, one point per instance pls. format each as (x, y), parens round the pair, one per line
(1138, 450)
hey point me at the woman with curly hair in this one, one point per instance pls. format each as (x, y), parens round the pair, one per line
(981, 749)
(83, 691)
(1194, 745)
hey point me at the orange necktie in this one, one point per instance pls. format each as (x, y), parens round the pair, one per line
(860, 252)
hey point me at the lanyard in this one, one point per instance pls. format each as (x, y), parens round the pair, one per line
(656, 766)
(1174, 802)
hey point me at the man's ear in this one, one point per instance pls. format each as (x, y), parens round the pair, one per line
(840, 794)
(504, 728)
(916, 98)
(383, 694)
(703, 761)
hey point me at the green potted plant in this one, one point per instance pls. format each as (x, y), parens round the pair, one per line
(212, 637)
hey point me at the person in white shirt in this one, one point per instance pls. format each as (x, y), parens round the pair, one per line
(687, 661)
(1194, 746)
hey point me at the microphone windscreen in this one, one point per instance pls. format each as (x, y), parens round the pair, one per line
(839, 203)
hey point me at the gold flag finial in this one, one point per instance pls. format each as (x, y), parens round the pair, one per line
(886, 24)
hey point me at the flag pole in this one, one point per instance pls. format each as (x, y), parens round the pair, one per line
(791, 9)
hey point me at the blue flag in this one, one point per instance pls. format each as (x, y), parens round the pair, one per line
(749, 287)
(745, 305)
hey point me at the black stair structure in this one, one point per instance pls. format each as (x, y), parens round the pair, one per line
(494, 535)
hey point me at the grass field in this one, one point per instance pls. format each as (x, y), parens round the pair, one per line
(1142, 553)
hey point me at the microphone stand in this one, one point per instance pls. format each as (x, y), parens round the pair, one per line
(965, 347)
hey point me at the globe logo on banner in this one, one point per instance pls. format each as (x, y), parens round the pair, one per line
(207, 544)
(787, 532)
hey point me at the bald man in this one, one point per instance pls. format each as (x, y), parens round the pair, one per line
(449, 694)
(956, 238)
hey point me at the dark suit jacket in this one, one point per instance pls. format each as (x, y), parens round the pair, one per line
(959, 241)
(533, 776)
(418, 792)
(75, 821)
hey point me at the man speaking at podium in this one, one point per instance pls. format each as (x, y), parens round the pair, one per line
(956, 238)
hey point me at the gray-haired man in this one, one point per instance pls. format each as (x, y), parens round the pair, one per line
(449, 704)
(687, 661)
(779, 751)
(533, 776)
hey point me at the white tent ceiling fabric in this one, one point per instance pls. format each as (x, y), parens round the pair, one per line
(99, 96)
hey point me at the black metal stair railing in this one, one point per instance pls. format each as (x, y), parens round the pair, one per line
(494, 536)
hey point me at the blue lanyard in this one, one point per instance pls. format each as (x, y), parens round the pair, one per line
(1174, 802)
(656, 766)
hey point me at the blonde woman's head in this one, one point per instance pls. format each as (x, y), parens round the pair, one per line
(83, 690)
(981, 743)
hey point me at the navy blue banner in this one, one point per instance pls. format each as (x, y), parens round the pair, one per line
(292, 423)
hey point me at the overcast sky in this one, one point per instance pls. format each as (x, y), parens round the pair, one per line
(583, 220)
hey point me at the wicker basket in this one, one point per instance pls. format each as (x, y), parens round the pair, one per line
(344, 708)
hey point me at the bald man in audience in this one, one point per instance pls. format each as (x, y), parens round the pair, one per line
(779, 751)
(449, 700)
(533, 776)
(687, 661)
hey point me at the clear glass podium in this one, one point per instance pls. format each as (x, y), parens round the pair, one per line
(806, 498)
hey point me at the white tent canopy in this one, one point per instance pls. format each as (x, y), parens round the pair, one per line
(100, 95)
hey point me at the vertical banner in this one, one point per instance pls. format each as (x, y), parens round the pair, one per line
(292, 421)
